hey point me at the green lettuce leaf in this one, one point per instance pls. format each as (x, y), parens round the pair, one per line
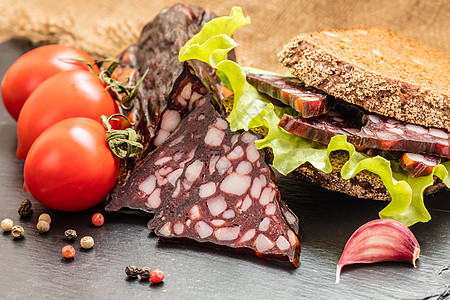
(211, 45)
(252, 109)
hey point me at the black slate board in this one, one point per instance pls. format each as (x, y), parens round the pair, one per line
(33, 268)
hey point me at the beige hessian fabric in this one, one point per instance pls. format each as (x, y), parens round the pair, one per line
(103, 27)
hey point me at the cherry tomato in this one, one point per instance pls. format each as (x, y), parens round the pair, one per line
(70, 166)
(32, 68)
(68, 94)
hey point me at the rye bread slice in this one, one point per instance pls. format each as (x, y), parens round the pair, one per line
(377, 69)
(364, 185)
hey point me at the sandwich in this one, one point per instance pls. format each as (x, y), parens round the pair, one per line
(390, 98)
(364, 111)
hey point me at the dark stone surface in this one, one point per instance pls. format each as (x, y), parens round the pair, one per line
(33, 268)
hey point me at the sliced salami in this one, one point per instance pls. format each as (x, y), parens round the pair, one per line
(321, 129)
(418, 164)
(215, 140)
(157, 51)
(237, 206)
(291, 91)
(158, 173)
(378, 132)
(187, 89)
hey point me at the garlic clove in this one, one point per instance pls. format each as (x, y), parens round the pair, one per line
(377, 241)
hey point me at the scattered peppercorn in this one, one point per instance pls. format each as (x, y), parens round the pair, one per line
(70, 234)
(132, 271)
(98, 219)
(25, 208)
(7, 224)
(68, 251)
(144, 272)
(17, 231)
(45, 217)
(43, 226)
(87, 242)
(156, 276)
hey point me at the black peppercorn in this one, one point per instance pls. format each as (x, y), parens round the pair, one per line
(70, 234)
(144, 272)
(25, 208)
(132, 271)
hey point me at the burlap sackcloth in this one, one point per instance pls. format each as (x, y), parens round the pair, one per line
(104, 27)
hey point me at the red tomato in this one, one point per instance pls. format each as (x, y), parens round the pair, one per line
(68, 94)
(70, 166)
(32, 68)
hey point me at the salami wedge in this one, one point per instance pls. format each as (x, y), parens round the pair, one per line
(187, 89)
(157, 174)
(237, 206)
(216, 140)
(157, 51)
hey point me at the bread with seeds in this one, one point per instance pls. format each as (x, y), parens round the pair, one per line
(377, 69)
(388, 95)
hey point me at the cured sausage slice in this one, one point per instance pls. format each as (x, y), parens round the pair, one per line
(291, 91)
(418, 164)
(237, 206)
(157, 51)
(187, 89)
(378, 132)
(158, 172)
(321, 129)
(206, 169)
(390, 134)
(216, 140)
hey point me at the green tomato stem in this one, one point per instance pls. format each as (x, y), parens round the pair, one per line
(123, 143)
(119, 88)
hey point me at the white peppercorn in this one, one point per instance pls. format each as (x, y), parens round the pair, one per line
(45, 217)
(7, 224)
(87, 242)
(17, 231)
(43, 226)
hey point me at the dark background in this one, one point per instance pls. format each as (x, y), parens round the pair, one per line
(33, 267)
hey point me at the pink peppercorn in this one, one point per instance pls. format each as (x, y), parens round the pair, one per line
(98, 219)
(156, 276)
(68, 251)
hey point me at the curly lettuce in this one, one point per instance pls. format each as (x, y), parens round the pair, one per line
(252, 109)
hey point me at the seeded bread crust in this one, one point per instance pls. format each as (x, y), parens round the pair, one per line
(365, 185)
(377, 69)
